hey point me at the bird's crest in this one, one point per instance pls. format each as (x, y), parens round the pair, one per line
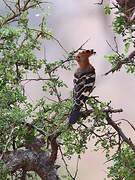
(85, 54)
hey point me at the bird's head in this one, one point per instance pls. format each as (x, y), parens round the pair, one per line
(82, 57)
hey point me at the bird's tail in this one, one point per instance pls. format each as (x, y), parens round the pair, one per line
(75, 114)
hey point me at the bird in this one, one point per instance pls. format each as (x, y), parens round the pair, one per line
(84, 81)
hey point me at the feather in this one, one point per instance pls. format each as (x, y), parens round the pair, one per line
(83, 85)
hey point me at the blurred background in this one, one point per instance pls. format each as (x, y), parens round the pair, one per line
(72, 23)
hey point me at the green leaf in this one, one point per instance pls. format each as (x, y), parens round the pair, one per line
(107, 10)
(127, 46)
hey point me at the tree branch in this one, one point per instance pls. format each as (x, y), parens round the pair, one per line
(100, 3)
(120, 132)
(31, 161)
(128, 60)
(54, 148)
(132, 126)
(109, 110)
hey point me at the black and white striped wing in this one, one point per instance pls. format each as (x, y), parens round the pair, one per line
(83, 86)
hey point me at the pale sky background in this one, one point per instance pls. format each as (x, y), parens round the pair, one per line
(73, 22)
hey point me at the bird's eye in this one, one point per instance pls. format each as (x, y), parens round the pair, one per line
(87, 51)
(92, 51)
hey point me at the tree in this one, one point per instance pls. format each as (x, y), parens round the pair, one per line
(28, 150)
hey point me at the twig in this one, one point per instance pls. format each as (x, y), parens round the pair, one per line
(77, 166)
(128, 123)
(18, 5)
(55, 89)
(8, 141)
(34, 127)
(120, 132)
(9, 6)
(69, 58)
(88, 112)
(66, 166)
(100, 3)
(39, 79)
(114, 50)
(59, 43)
(13, 16)
(116, 44)
(80, 48)
(53, 37)
(128, 60)
(26, 3)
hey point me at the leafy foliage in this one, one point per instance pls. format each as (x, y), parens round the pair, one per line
(124, 165)
(124, 27)
(18, 43)
(3, 171)
(124, 161)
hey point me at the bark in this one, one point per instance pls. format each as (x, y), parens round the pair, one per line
(33, 158)
(29, 160)
(128, 7)
(126, 3)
